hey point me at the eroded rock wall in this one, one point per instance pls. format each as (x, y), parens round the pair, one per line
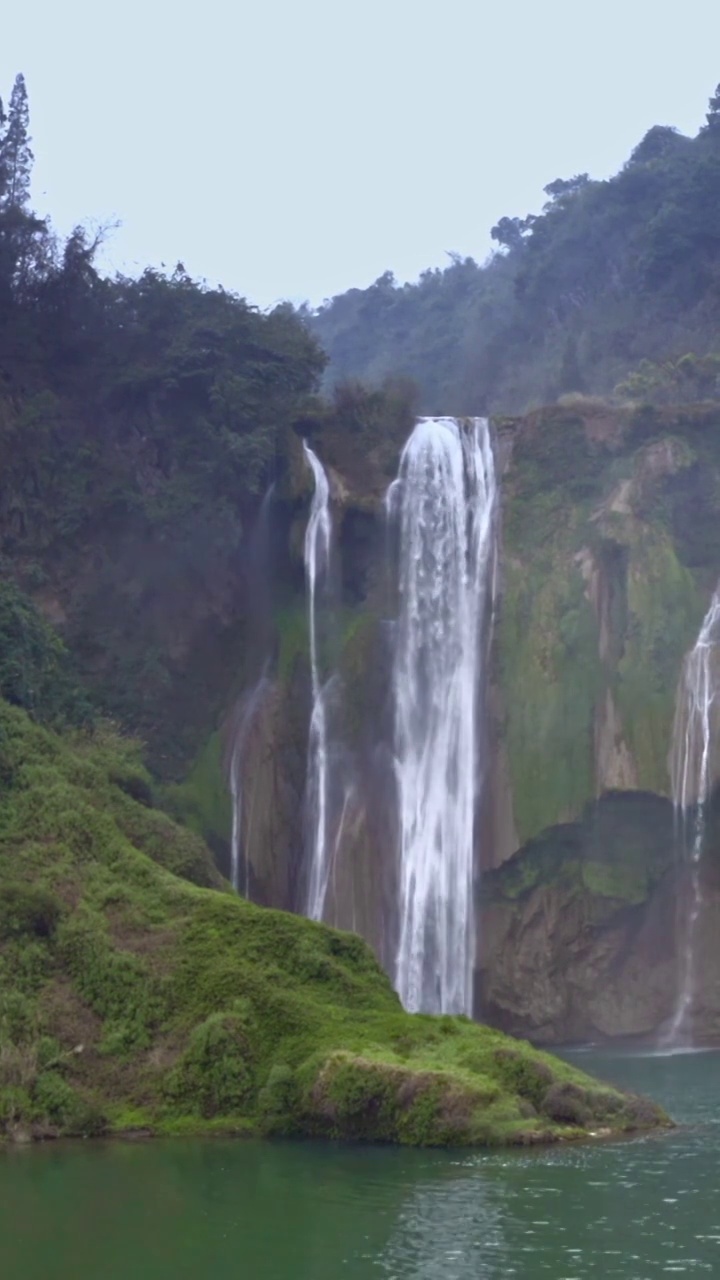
(609, 554)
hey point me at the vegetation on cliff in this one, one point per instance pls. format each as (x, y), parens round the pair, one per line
(133, 998)
(609, 274)
(141, 421)
(606, 579)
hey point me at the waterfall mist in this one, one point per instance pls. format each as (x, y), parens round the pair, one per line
(317, 561)
(240, 840)
(444, 504)
(257, 584)
(694, 768)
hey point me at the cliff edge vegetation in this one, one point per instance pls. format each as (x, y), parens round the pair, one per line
(612, 283)
(138, 993)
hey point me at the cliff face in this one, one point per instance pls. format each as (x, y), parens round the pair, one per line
(603, 594)
(609, 554)
(579, 930)
(608, 560)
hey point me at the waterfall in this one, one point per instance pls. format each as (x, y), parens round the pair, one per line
(444, 502)
(693, 770)
(317, 559)
(250, 706)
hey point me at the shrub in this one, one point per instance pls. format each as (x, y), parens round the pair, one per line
(278, 1098)
(17, 1018)
(522, 1074)
(55, 1102)
(567, 1103)
(27, 909)
(35, 666)
(215, 1075)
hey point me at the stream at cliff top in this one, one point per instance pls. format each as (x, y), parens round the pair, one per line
(216, 1210)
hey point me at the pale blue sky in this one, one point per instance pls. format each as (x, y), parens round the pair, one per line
(298, 147)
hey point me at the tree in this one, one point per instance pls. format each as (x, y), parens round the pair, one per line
(15, 155)
(657, 142)
(713, 113)
(566, 186)
(3, 157)
(510, 231)
(25, 244)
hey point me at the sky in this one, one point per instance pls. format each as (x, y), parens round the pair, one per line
(297, 148)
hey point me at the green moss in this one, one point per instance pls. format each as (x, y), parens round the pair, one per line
(202, 801)
(592, 542)
(27, 910)
(616, 853)
(157, 1003)
(665, 609)
(293, 641)
(627, 884)
(361, 674)
(552, 676)
(215, 1074)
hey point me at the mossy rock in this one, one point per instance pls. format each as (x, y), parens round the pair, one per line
(602, 596)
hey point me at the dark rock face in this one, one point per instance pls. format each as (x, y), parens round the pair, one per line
(273, 781)
(581, 933)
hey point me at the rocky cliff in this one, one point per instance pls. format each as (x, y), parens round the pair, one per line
(608, 558)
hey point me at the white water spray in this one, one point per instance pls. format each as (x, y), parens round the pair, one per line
(444, 501)
(693, 767)
(250, 708)
(317, 559)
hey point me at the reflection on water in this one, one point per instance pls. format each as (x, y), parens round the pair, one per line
(216, 1210)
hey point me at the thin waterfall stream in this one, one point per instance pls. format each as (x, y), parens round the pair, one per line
(693, 772)
(444, 501)
(251, 705)
(317, 560)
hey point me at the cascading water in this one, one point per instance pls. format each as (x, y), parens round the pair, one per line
(444, 501)
(317, 559)
(250, 707)
(693, 767)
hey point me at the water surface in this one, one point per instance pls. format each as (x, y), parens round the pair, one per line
(261, 1211)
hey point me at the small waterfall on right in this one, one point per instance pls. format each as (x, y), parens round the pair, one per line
(317, 563)
(694, 766)
(444, 504)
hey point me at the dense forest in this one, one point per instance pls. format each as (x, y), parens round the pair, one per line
(141, 419)
(614, 284)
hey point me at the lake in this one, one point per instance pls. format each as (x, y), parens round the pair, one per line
(216, 1210)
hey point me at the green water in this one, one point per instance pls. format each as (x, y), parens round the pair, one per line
(253, 1211)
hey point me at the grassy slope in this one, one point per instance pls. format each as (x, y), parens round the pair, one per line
(131, 997)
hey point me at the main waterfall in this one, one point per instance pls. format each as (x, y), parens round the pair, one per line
(694, 768)
(444, 503)
(317, 560)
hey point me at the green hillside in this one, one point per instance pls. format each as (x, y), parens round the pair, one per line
(137, 993)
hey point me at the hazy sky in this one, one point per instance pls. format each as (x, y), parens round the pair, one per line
(293, 148)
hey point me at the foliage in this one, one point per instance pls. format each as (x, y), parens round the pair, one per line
(27, 910)
(685, 379)
(625, 270)
(154, 1002)
(215, 1073)
(604, 587)
(140, 421)
(35, 666)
